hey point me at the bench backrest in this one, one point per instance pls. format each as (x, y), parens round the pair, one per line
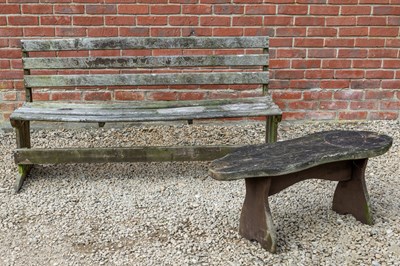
(146, 63)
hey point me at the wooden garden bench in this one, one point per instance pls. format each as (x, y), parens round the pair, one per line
(269, 168)
(183, 64)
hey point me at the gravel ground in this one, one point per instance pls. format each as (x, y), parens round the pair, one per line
(175, 214)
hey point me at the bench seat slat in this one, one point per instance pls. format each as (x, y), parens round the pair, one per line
(295, 155)
(144, 62)
(144, 43)
(154, 111)
(147, 79)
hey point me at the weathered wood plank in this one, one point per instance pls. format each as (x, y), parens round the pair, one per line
(147, 79)
(134, 154)
(280, 158)
(83, 113)
(144, 43)
(144, 61)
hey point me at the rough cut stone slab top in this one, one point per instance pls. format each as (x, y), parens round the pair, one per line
(298, 154)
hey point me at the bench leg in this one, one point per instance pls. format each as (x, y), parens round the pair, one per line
(351, 197)
(256, 219)
(271, 131)
(22, 129)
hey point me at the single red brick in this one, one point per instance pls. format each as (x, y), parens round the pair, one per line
(9, 96)
(317, 95)
(88, 21)
(39, 31)
(353, 115)
(133, 9)
(103, 32)
(290, 32)
(319, 74)
(348, 95)
(291, 53)
(184, 20)
(165, 32)
(41, 96)
(351, 73)
(352, 53)
(134, 31)
(392, 42)
(382, 53)
(278, 84)
(215, 21)
(247, 21)
(391, 84)
(152, 20)
(274, 63)
(293, 115)
(353, 31)
(55, 20)
(322, 32)
(386, 10)
(364, 105)
(371, 21)
(227, 31)
(379, 74)
(120, 20)
(335, 42)
(302, 105)
(383, 115)
(293, 9)
(228, 9)
(391, 63)
(304, 83)
(286, 95)
(10, 53)
(97, 96)
(289, 74)
(393, 21)
(63, 96)
(333, 105)
(318, 115)
(367, 63)
(9, 9)
(199, 9)
(191, 96)
(324, 10)
(165, 9)
(263, 9)
(193, 1)
(309, 21)
(259, 31)
(384, 31)
(23, 20)
(341, 21)
(390, 105)
(306, 63)
(355, 10)
(321, 53)
(194, 31)
(378, 94)
(101, 9)
(281, 42)
(308, 42)
(335, 84)
(162, 95)
(336, 63)
(69, 9)
(129, 96)
(370, 42)
(70, 32)
(278, 21)
(36, 9)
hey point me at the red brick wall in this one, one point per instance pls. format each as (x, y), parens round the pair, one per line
(330, 59)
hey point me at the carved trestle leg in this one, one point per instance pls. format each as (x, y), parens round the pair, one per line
(22, 129)
(351, 196)
(256, 219)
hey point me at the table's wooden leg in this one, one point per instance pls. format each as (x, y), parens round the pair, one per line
(351, 197)
(256, 219)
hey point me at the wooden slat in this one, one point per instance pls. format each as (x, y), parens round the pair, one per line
(147, 79)
(134, 154)
(145, 43)
(144, 62)
(129, 113)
